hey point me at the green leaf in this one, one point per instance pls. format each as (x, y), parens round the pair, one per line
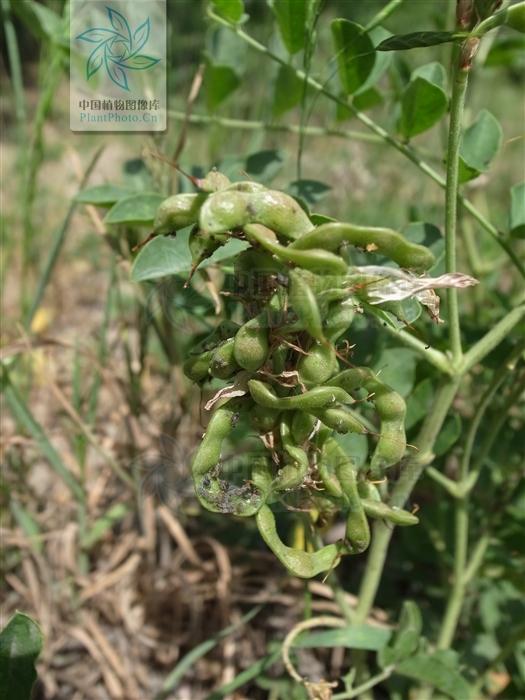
(406, 638)
(434, 72)
(263, 166)
(288, 90)
(219, 82)
(353, 637)
(480, 144)
(20, 644)
(381, 60)
(398, 369)
(232, 10)
(355, 54)
(415, 40)
(419, 402)
(422, 105)
(312, 191)
(439, 670)
(135, 209)
(429, 235)
(367, 99)
(291, 19)
(517, 211)
(103, 195)
(449, 435)
(168, 255)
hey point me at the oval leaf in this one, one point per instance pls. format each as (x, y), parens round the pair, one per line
(355, 54)
(135, 209)
(288, 90)
(480, 144)
(220, 82)
(291, 18)
(20, 645)
(422, 105)
(232, 10)
(170, 255)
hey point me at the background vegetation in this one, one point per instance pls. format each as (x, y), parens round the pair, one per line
(138, 592)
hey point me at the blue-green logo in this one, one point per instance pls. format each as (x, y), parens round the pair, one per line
(118, 49)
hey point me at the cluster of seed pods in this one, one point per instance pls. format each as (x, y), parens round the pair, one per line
(287, 376)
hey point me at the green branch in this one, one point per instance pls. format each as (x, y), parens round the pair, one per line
(459, 89)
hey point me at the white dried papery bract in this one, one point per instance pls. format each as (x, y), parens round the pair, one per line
(398, 285)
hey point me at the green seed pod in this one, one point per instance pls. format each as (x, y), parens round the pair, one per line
(317, 398)
(382, 511)
(263, 419)
(298, 563)
(197, 367)
(316, 260)
(391, 409)
(373, 240)
(339, 419)
(251, 345)
(305, 305)
(292, 475)
(223, 363)
(516, 17)
(302, 426)
(214, 182)
(338, 475)
(213, 492)
(338, 320)
(318, 365)
(229, 210)
(178, 211)
(246, 186)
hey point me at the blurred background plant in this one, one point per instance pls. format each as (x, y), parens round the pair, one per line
(138, 592)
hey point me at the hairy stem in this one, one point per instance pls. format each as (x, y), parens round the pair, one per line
(460, 80)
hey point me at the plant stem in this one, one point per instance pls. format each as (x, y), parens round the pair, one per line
(383, 14)
(367, 685)
(250, 125)
(407, 151)
(382, 532)
(435, 357)
(460, 578)
(459, 89)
